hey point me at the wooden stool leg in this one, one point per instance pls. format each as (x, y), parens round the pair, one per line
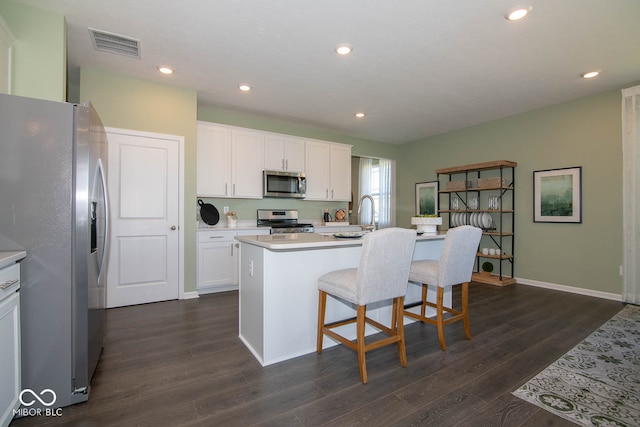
(394, 316)
(322, 305)
(465, 309)
(399, 329)
(440, 317)
(360, 323)
(423, 307)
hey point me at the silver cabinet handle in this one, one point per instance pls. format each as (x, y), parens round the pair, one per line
(8, 283)
(216, 237)
(287, 164)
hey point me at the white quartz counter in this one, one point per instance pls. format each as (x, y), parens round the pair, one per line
(10, 257)
(306, 241)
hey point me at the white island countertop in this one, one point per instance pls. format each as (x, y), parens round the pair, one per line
(10, 257)
(305, 241)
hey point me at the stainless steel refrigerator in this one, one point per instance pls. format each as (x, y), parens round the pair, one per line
(53, 204)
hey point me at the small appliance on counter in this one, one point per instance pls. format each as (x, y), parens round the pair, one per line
(282, 221)
(338, 220)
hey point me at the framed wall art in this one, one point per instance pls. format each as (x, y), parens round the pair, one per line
(557, 195)
(427, 198)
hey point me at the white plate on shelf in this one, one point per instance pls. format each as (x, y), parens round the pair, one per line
(454, 219)
(474, 219)
(486, 220)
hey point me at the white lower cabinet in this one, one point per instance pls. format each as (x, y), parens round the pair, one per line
(217, 261)
(10, 383)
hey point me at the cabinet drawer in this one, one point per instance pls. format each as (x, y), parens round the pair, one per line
(215, 236)
(9, 280)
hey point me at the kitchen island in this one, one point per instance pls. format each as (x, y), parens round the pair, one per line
(279, 290)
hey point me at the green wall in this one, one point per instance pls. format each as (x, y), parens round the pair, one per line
(39, 57)
(139, 105)
(585, 132)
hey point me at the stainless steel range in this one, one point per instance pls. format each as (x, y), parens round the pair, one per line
(282, 221)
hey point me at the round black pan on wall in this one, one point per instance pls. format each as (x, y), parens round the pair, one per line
(209, 213)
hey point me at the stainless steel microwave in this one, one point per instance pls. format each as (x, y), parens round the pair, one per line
(285, 184)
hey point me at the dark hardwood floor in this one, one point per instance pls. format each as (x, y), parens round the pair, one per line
(180, 363)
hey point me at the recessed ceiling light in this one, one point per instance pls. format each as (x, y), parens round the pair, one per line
(517, 13)
(590, 74)
(244, 88)
(360, 115)
(343, 49)
(165, 70)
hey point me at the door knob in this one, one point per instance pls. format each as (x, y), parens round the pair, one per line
(173, 227)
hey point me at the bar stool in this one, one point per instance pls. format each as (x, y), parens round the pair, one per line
(382, 274)
(454, 267)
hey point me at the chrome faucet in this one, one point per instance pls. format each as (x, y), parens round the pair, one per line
(372, 226)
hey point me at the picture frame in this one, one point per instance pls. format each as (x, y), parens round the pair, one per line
(557, 195)
(427, 198)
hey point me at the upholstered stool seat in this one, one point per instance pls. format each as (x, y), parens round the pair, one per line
(382, 274)
(454, 267)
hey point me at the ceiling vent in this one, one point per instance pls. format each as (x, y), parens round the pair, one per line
(114, 43)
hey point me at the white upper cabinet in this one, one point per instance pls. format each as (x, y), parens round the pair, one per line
(247, 155)
(214, 161)
(6, 48)
(317, 171)
(284, 153)
(230, 161)
(340, 172)
(328, 171)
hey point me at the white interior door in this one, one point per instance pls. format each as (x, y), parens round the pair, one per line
(144, 189)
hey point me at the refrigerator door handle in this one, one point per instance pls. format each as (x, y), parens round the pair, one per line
(105, 243)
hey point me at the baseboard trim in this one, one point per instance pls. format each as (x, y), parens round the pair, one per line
(190, 295)
(572, 289)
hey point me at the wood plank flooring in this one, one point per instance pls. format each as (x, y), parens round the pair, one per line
(180, 363)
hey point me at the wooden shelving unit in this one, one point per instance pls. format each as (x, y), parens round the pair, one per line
(501, 234)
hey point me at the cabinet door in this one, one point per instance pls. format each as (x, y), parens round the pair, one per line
(274, 152)
(217, 264)
(247, 163)
(214, 161)
(10, 366)
(340, 173)
(318, 161)
(284, 153)
(6, 56)
(294, 149)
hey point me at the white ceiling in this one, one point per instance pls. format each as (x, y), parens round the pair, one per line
(418, 68)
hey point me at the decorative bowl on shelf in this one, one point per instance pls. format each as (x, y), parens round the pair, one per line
(426, 224)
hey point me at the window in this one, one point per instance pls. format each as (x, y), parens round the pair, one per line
(376, 179)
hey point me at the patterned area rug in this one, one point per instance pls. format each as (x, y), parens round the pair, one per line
(597, 383)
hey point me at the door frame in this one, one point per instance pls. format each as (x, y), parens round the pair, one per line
(180, 140)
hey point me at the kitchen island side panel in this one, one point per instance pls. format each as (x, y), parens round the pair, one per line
(251, 295)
